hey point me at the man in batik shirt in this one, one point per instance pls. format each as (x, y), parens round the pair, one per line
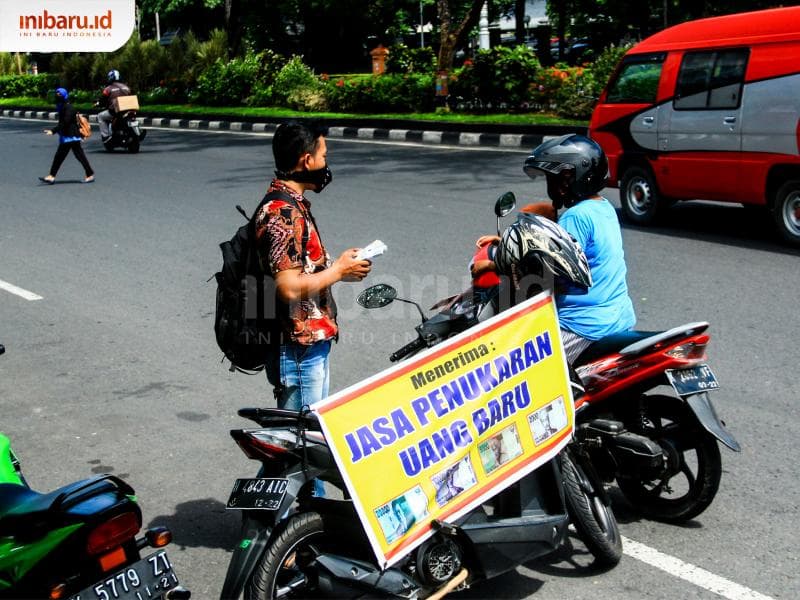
(303, 276)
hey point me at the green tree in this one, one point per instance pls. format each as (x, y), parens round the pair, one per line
(609, 21)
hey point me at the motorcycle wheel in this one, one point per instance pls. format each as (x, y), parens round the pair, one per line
(593, 519)
(109, 146)
(694, 465)
(133, 145)
(278, 573)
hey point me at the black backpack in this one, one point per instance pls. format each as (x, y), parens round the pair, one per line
(247, 324)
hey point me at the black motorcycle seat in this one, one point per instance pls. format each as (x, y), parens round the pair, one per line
(611, 344)
(20, 505)
(15, 496)
(271, 417)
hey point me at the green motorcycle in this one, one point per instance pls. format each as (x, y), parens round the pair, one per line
(78, 542)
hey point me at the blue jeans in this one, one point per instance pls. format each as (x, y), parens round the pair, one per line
(304, 378)
(304, 374)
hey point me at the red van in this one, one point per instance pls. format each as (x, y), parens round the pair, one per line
(708, 109)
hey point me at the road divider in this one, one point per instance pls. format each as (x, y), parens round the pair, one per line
(432, 137)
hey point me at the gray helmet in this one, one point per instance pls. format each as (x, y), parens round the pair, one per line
(533, 243)
(572, 152)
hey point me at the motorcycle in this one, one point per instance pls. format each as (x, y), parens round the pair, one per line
(662, 450)
(587, 503)
(294, 544)
(125, 132)
(78, 542)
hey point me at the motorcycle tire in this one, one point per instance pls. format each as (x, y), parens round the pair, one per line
(277, 574)
(683, 493)
(133, 145)
(593, 519)
(109, 146)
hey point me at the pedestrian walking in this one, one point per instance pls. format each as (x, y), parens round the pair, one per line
(68, 139)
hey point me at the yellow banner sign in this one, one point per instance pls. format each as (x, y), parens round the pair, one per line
(435, 436)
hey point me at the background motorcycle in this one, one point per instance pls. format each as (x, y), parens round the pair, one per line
(78, 542)
(125, 132)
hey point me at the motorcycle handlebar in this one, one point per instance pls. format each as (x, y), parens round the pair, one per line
(410, 348)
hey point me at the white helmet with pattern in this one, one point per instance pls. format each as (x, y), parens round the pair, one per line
(532, 243)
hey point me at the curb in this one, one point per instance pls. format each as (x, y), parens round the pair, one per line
(433, 137)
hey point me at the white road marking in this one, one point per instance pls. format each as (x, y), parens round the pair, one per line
(688, 572)
(18, 291)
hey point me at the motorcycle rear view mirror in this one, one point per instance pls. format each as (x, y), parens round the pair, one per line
(377, 296)
(504, 205)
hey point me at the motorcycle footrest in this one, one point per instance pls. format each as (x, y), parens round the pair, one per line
(635, 451)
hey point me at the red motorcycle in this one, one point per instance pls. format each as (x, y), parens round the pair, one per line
(661, 448)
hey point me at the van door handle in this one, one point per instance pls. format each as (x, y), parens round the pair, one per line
(648, 120)
(729, 120)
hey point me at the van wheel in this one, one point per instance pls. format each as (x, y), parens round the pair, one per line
(639, 196)
(786, 211)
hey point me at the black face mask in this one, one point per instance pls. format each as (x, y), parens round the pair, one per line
(319, 177)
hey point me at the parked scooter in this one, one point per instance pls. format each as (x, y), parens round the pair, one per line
(296, 545)
(588, 504)
(78, 542)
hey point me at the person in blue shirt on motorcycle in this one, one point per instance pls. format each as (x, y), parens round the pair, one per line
(576, 169)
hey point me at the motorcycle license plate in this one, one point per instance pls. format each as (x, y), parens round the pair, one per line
(261, 493)
(692, 380)
(146, 579)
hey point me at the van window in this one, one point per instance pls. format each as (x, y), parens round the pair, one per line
(637, 80)
(711, 80)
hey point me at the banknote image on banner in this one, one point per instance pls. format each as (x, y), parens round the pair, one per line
(452, 427)
(65, 25)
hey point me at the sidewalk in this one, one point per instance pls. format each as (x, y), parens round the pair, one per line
(449, 134)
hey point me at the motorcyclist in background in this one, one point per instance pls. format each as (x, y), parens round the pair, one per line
(114, 89)
(576, 169)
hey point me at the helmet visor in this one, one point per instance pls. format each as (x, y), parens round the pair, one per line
(535, 168)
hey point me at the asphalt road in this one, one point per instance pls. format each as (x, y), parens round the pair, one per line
(116, 370)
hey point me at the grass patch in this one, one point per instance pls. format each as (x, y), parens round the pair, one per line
(283, 113)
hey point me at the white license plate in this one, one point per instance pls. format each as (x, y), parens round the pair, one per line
(692, 380)
(146, 579)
